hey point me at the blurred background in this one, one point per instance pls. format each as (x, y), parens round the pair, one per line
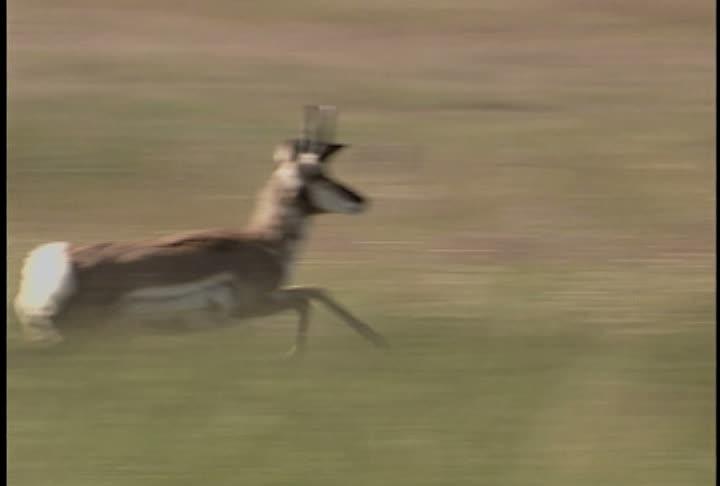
(540, 249)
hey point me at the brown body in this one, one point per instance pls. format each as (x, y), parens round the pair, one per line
(107, 272)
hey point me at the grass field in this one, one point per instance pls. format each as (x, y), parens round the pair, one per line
(540, 250)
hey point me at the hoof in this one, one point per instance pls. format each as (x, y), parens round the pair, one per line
(45, 341)
(294, 354)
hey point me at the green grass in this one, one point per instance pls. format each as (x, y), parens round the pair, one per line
(540, 249)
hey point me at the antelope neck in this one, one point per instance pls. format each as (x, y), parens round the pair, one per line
(280, 217)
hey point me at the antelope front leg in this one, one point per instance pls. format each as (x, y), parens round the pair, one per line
(281, 301)
(301, 305)
(308, 294)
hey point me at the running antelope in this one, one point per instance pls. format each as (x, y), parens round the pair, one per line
(214, 277)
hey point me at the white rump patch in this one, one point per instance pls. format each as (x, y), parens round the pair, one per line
(327, 197)
(45, 284)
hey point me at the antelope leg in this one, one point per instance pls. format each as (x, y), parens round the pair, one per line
(320, 295)
(281, 301)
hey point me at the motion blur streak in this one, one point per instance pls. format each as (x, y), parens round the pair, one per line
(540, 248)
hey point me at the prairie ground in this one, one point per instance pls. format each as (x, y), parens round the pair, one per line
(540, 249)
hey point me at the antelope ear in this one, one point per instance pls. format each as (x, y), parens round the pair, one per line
(330, 150)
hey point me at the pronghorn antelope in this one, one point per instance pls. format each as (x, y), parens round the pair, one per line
(212, 276)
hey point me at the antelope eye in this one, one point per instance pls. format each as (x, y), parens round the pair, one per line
(310, 170)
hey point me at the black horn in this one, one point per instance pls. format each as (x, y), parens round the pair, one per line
(319, 130)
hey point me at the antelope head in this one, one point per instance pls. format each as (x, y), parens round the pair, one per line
(303, 167)
(306, 176)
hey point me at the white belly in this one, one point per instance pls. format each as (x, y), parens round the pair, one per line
(215, 297)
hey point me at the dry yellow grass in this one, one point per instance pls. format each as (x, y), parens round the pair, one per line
(540, 247)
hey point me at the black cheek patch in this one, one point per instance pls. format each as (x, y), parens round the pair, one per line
(352, 195)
